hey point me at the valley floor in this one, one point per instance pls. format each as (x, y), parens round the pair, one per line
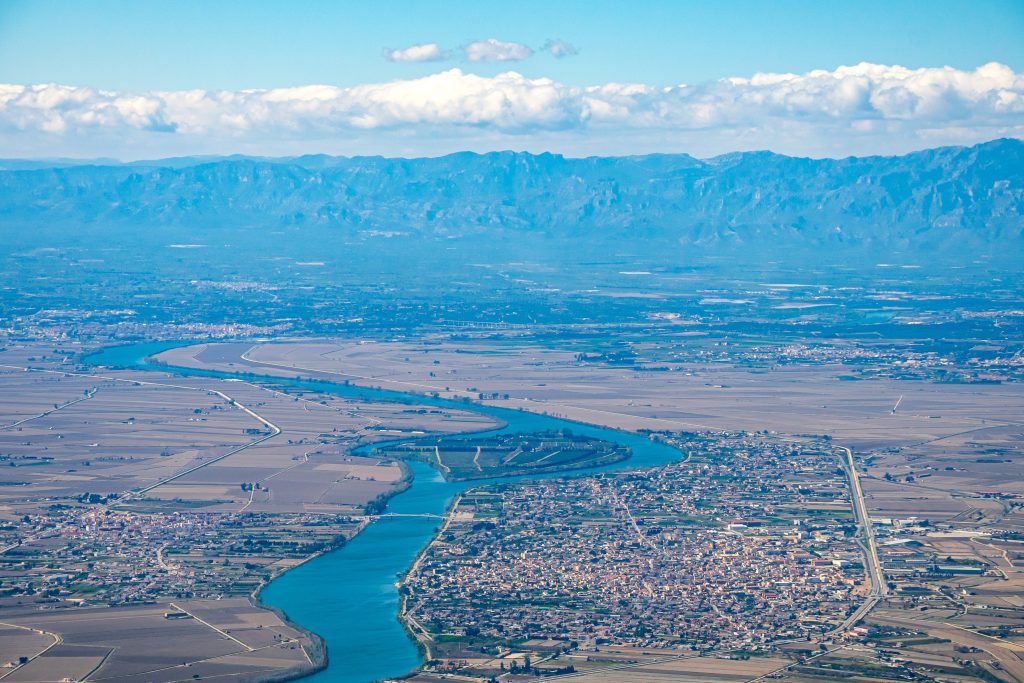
(141, 495)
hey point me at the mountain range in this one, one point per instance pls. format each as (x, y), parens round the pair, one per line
(947, 199)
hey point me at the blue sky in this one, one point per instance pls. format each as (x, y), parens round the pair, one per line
(232, 45)
(160, 78)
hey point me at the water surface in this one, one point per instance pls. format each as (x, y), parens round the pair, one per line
(350, 596)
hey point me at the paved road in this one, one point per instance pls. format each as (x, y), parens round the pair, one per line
(88, 394)
(871, 563)
(867, 542)
(274, 430)
(57, 640)
(1007, 653)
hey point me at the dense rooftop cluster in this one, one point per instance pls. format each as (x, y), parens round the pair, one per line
(113, 557)
(748, 540)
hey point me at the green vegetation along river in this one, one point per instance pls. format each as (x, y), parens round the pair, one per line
(350, 596)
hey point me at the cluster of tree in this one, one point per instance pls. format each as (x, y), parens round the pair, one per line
(376, 506)
(95, 498)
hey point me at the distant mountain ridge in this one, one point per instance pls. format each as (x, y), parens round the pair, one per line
(944, 198)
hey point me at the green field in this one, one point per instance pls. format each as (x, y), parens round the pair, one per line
(507, 455)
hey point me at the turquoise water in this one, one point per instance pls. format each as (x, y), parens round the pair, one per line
(349, 596)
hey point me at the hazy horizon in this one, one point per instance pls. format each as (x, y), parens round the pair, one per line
(241, 155)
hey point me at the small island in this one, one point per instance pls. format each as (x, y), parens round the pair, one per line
(508, 455)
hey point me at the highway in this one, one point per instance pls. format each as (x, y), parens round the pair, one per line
(871, 564)
(867, 542)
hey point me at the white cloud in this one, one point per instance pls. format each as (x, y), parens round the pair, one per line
(427, 52)
(851, 110)
(560, 49)
(492, 50)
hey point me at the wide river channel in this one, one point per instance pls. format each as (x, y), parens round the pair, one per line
(350, 596)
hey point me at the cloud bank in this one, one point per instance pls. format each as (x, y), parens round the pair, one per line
(427, 52)
(492, 50)
(867, 108)
(489, 50)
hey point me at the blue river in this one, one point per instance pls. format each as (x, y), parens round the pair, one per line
(349, 596)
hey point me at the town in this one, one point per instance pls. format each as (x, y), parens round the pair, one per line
(748, 541)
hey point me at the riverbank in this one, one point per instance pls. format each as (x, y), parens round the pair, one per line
(412, 627)
(349, 597)
(431, 454)
(317, 654)
(171, 357)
